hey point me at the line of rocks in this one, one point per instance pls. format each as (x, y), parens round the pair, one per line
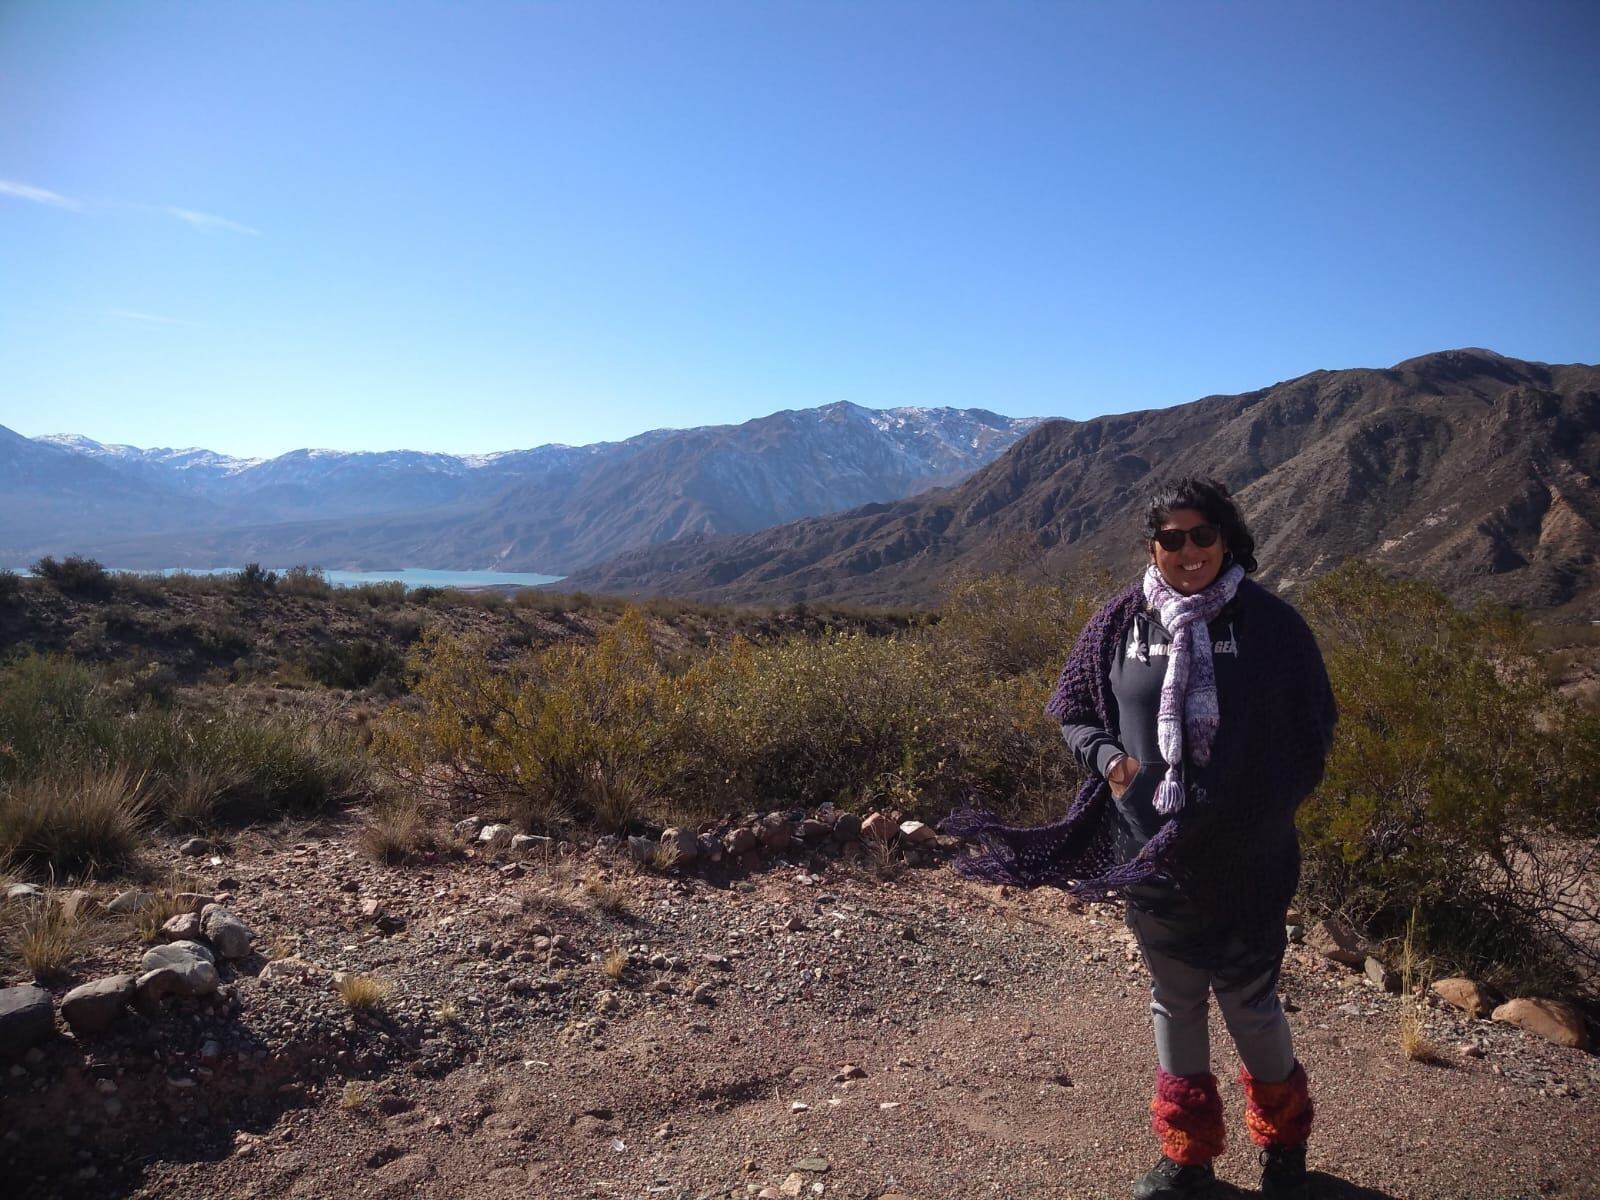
(1554, 1020)
(186, 965)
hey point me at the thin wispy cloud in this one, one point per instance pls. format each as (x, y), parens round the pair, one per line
(39, 195)
(205, 222)
(128, 314)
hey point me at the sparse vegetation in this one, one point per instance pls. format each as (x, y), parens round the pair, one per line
(1460, 783)
(447, 1013)
(606, 896)
(396, 826)
(73, 821)
(615, 964)
(47, 938)
(1414, 1041)
(363, 993)
(75, 576)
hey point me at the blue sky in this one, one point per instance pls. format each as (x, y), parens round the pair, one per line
(468, 227)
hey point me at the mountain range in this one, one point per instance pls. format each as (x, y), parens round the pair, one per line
(550, 509)
(1465, 468)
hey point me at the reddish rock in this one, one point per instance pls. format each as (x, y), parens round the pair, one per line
(1553, 1020)
(1465, 994)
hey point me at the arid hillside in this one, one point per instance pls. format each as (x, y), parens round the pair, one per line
(1474, 472)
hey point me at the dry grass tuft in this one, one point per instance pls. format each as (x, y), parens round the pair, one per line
(1414, 1041)
(605, 896)
(47, 940)
(447, 1013)
(189, 803)
(75, 821)
(666, 856)
(397, 827)
(363, 993)
(615, 964)
(165, 904)
(355, 1095)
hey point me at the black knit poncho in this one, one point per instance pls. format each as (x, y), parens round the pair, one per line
(1230, 859)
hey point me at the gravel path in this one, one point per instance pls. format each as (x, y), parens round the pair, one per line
(811, 1031)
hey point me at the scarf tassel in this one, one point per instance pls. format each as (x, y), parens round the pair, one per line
(1169, 796)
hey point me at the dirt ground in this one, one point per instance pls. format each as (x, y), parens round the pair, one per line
(809, 1029)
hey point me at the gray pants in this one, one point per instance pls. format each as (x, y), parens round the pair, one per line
(1178, 1001)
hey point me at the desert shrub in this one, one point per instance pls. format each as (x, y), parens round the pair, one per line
(75, 576)
(396, 826)
(1005, 626)
(59, 717)
(1460, 784)
(354, 664)
(540, 731)
(10, 588)
(805, 722)
(305, 581)
(146, 587)
(66, 823)
(383, 594)
(256, 579)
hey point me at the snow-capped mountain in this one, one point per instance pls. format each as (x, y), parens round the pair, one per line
(550, 508)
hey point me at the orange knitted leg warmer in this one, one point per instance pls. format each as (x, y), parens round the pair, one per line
(1186, 1115)
(1278, 1114)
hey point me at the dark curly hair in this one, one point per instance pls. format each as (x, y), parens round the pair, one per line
(1211, 498)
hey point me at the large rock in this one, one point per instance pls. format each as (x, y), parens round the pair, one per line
(131, 901)
(184, 927)
(917, 833)
(681, 845)
(92, 1007)
(23, 892)
(25, 1018)
(1335, 940)
(193, 966)
(231, 936)
(774, 831)
(878, 828)
(740, 840)
(1380, 976)
(1553, 1020)
(1465, 994)
(847, 827)
(496, 837)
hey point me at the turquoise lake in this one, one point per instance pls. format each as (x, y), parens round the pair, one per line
(412, 577)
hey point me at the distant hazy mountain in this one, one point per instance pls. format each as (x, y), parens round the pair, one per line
(1472, 470)
(552, 508)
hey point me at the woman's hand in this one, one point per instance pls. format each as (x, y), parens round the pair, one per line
(1121, 773)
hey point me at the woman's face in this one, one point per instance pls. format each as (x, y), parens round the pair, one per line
(1190, 568)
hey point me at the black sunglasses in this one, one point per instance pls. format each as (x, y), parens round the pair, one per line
(1171, 540)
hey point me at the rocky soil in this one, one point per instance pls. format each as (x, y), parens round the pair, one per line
(558, 1021)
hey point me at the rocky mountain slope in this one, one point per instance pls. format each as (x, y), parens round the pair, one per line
(1466, 468)
(552, 508)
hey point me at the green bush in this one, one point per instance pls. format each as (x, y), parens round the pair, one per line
(59, 719)
(305, 581)
(356, 664)
(1457, 782)
(615, 732)
(75, 576)
(256, 579)
(10, 588)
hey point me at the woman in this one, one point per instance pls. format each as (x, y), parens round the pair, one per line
(1197, 702)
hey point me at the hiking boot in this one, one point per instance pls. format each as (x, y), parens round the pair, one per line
(1168, 1180)
(1283, 1173)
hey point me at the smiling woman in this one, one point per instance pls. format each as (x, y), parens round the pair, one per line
(1198, 705)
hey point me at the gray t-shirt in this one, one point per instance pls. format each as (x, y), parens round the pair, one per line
(1136, 687)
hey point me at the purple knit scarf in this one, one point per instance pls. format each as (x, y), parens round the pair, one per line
(1189, 692)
